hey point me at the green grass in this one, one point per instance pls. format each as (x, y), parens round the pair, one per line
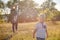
(25, 31)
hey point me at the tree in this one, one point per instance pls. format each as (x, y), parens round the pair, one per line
(49, 8)
(1, 4)
(26, 3)
(28, 11)
(9, 4)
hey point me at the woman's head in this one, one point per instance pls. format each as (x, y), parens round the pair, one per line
(41, 18)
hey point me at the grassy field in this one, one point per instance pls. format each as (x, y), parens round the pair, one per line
(25, 31)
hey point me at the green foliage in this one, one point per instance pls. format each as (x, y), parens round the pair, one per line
(1, 4)
(9, 4)
(1, 15)
(48, 7)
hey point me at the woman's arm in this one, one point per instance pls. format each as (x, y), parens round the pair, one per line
(46, 32)
(34, 33)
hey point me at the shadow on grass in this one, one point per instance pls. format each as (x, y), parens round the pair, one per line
(3, 34)
(8, 37)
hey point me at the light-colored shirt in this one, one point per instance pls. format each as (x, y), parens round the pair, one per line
(41, 30)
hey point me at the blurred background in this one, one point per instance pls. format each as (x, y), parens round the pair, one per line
(28, 11)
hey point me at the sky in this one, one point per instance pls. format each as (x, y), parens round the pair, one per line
(57, 4)
(41, 1)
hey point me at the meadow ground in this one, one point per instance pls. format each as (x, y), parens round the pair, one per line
(25, 31)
